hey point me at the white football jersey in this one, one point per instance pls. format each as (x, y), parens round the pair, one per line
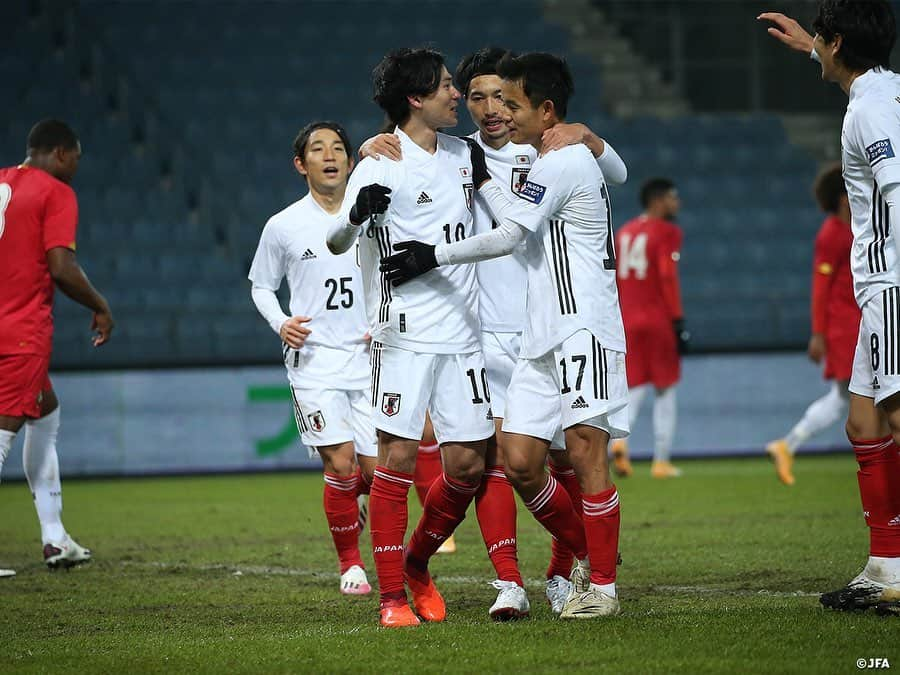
(870, 139)
(502, 281)
(431, 201)
(326, 287)
(570, 256)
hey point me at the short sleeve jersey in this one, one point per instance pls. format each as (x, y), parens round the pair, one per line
(839, 313)
(431, 201)
(323, 286)
(644, 246)
(502, 281)
(870, 139)
(37, 213)
(570, 256)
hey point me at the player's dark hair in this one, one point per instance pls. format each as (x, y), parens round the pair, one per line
(405, 72)
(47, 135)
(866, 26)
(829, 187)
(302, 139)
(653, 189)
(544, 77)
(482, 62)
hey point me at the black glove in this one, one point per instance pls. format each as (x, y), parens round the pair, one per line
(682, 336)
(480, 173)
(372, 200)
(412, 260)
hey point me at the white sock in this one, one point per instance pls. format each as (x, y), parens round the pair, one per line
(820, 415)
(42, 471)
(609, 589)
(6, 441)
(665, 414)
(635, 399)
(888, 569)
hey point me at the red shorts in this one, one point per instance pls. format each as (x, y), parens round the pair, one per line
(23, 380)
(839, 351)
(652, 356)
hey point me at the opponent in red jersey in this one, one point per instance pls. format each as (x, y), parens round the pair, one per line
(835, 321)
(38, 217)
(648, 249)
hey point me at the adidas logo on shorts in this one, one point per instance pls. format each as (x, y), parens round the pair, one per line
(423, 199)
(580, 403)
(308, 255)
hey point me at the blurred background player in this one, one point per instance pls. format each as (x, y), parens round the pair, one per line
(324, 339)
(502, 283)
(835, 321)
(648, 249)
(38, 220)
(426, 350)
(853, 44)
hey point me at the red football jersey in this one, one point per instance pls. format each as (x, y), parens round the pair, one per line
(37, 213)
(834, 309)
(647, 254)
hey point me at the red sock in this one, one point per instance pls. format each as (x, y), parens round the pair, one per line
(495, 507)
(342, 514)
(445, 508)
(387, 517)
(363, 486)
(553, 509)
(601, 528)
(428, 468)
(879, 488)
(562, 558)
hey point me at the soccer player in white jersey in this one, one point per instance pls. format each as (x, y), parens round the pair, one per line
(426, 353)
(853, 43)
(502, 284)
(571, 368)
(324, 338)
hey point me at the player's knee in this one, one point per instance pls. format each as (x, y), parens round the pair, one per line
(468, 472)
(521, 472)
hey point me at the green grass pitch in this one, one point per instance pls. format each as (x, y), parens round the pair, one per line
(236, 574)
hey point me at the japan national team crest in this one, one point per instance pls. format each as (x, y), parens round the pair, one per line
(469, 189)
(390, 404)
(519, 176)
(316, 421)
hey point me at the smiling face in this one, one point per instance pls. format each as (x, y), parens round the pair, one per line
(526, 123)
(325, 162)
(485, 104)
(439, 108)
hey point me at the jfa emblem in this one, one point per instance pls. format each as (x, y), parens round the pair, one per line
(390, 404)
(469, 189)
(519, 176)
(317, 420)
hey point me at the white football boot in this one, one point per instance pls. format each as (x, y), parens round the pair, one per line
(558, 589)
(589, 605)
(65, 554)
(512, 602)
(355, 582)
(7, 573)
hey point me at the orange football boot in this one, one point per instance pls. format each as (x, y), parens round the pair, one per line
(621, 461)
(397, 614)
(784, 460)
(426, 598)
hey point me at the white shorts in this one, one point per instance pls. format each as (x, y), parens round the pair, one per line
(332, 416)
(453, 388)
(501, 351)
(876, 363)
(579, 382)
